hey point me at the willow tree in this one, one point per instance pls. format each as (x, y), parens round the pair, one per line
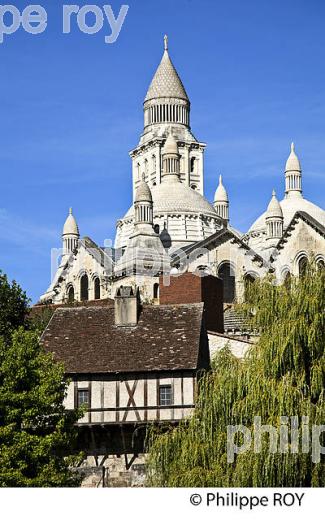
(283, 375)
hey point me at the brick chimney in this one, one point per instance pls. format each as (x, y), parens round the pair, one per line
(191, 288)
(126, 307)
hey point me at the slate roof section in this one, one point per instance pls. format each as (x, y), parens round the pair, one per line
(166, 82)
(235, 321)
(167, 337)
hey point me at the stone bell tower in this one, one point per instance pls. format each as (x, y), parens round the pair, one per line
(167, 110)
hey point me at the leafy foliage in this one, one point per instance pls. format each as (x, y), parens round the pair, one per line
(283, 375)
(39, 317)
(13, 307)
(36, 432)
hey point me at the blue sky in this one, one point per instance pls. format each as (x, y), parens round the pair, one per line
(71, 109)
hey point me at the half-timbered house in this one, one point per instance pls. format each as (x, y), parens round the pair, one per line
(129, 366)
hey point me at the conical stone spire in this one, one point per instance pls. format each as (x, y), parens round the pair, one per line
(221, 201)
(70, 234)
(166, 81)
(293, 175)
(274, 219)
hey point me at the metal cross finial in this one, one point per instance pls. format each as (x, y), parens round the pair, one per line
(70, 211)
(166, 42)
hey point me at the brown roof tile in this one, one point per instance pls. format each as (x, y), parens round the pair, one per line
(167, 337)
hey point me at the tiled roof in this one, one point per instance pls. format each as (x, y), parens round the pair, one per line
(234, 320)
(166, 82)
(167, 337)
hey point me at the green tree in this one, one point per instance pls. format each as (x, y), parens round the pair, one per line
(36, 432)
(283, 375)
(13, 307)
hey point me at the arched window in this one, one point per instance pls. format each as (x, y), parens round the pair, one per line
(71, 294)
(193, 165)
(227, 275)
(84, 288)
(286, 276)
(302, 265)
(249, 279)
(156, 291)
(320, 264)
(156, 229)
(97, 289)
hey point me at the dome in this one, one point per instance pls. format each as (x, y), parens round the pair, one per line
(143, 193)
(289, 207)
(178, 198)
(170, 146)
(293, 163)
(221, 194)
(70, 226)
(274, 209)
(166, 82)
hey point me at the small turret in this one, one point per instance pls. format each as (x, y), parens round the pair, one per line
(221, 201)
(70, 234)
(293, 175)
(171, 160)
(274, 219)
(143, 206)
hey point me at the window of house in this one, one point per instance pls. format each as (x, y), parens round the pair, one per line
(165, 395)
(83, 398)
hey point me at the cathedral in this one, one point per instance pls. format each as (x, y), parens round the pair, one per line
(136, 324)
(171, 228)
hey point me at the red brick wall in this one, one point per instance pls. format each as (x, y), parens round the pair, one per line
(190, 288)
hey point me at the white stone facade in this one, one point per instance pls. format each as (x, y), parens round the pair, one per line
(278, 242)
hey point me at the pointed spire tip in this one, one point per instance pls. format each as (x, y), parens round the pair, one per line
(70, 211)
(166, 42)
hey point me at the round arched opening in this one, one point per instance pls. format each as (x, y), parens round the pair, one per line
(227, 275)
(156, 291)
(84, 288)
(249, 280)
(71, 294)
(97, 289)
(302, 265)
